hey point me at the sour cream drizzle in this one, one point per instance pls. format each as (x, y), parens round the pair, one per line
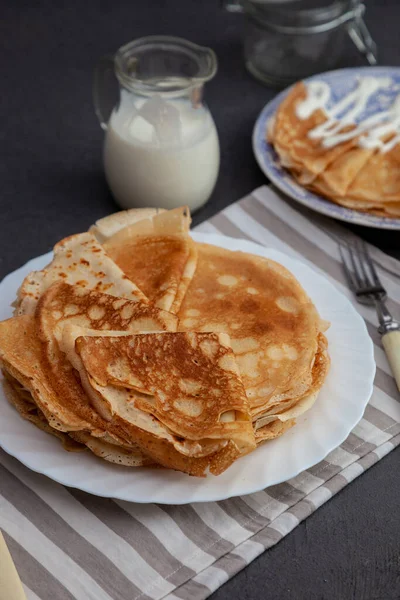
(346, 111)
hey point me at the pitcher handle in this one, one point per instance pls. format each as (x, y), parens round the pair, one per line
(104, 67)
(361, 37)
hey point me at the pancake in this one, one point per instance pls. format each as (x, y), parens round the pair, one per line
(379, 181)
(50, 377)
(107, 226)
(77, 441)
(391, 209)
(291, 409)
(127, 457)
(361, 178)
(295, 149)
(100, 311)
(22, 400)
(272, 323)
(81, 261)
(158, 255)
(21, 357)
(95, 359)
(339, 175)
(123, 403)
(273, 430)
(63, 304)
(170, 222)
(188, 381)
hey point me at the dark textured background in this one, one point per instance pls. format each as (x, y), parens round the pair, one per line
(52, 185)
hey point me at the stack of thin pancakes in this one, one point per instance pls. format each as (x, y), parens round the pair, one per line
(149, 349)
(357, 177)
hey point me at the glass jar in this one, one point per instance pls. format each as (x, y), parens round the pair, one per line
(161, 146)
(288, 40)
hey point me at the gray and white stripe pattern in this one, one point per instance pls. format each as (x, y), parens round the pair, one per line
(69, 545)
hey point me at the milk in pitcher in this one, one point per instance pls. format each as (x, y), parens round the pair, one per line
(160, 152)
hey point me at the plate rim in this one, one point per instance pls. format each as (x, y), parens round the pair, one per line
(217, 496)
(322, 206)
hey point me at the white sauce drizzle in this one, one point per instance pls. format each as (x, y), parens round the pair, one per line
(345, 112)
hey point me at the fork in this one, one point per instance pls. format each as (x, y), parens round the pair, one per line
(363, 280)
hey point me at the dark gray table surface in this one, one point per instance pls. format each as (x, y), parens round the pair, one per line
(52, 185)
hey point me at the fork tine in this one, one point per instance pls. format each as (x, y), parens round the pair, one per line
(346, 268)
(371, 265)
(355, 267)
(363, 260)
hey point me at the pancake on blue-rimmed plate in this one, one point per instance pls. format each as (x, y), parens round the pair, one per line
(344, 148)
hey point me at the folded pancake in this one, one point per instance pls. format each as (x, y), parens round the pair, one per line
(21, 355)
(357, 177)
(106, 227)
(158, 254)
(41, 367)
(167, 222)
(379, 181)
(22, 400)
(188, 381)
(64, 309)
(63, 304)
(122, 402)
(119, 455)
(30, 350)
(81, 261)
(106, 448)
(390, 209)
(273, 325)
(289, 135)
(273, 430)
(339, 175)
(292, 408)
(18, 338)
(34, 395)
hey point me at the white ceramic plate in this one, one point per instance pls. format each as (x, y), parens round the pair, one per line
(338, 409)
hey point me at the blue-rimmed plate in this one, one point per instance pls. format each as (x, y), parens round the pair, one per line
(341, 82)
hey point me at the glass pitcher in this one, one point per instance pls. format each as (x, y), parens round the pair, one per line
(161, 146)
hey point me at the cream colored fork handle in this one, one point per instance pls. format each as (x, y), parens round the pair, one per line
(10, 583)
(391, 343)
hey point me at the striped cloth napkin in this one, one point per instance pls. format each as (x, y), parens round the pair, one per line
(67, 544)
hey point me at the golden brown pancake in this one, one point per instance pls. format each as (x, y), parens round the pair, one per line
(42, 368)
(273, 430)
(106, 448)
(272, 323)
(63, 304)
(80, 261)
(359, 178)
(379, 181)
(21, 355)
(119, 455)
(293, 407)
(158, 255)
(339, 175)
(189, 381)
(295, 149)
(96, 360)
(106, 227)
(22, 400)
